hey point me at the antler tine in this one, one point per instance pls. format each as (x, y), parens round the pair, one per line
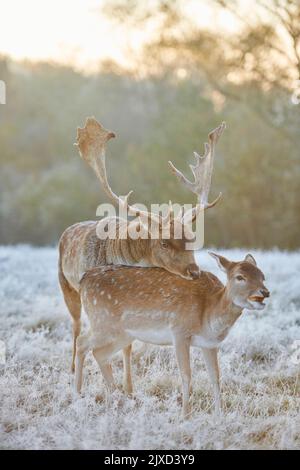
(91, 141)
(202, 172)
(213, 139)
(170, 214)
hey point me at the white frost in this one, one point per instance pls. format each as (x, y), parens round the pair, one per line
(40, 411)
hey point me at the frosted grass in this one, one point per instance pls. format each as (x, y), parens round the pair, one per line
(39, 410)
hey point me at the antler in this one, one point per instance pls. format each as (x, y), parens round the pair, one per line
(202, 172)
(91, 140)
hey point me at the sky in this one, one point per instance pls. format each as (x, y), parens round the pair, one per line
(73, 31)
(69, 31)
(76, 32)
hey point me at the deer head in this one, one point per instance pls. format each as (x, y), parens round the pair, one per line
(170, 253)
(245, 286)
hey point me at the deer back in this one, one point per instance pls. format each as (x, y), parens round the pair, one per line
(81, 249)
(152, 296)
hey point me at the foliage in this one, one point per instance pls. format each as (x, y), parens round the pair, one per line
(45, 186)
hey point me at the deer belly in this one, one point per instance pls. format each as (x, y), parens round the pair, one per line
(204, 342)
(162, 337)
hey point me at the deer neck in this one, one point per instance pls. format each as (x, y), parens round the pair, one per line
(129, 252)
(222, 316)
(225, 307)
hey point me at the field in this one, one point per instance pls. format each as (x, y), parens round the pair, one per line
(39, 410)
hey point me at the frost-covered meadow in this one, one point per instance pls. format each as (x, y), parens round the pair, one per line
(39, 410)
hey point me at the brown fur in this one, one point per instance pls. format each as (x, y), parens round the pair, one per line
(80, 249)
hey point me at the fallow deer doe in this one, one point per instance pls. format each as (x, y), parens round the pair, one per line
(80, 249)
(155, 306)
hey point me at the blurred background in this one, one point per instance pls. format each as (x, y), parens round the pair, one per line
(161, 74)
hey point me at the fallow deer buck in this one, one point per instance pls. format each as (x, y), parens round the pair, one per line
(157, 307)
(80, 249)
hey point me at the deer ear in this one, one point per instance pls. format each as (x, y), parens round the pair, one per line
(223, 263)
(249, 258)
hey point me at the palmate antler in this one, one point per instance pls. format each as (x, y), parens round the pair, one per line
(202, 172)
(91, 141)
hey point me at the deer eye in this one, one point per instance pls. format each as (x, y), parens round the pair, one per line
(240, 278)
(164, 244)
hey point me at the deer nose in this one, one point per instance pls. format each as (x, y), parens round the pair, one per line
(265, 292)
(193, 270)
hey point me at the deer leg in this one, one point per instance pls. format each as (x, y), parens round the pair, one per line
(127, 381)
(81, 351)
(76, 333)
(73, 302)
(79, 361)
(182, 349)
(101, 355)
(211, 362)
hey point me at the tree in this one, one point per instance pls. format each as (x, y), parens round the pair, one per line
(263, 53)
